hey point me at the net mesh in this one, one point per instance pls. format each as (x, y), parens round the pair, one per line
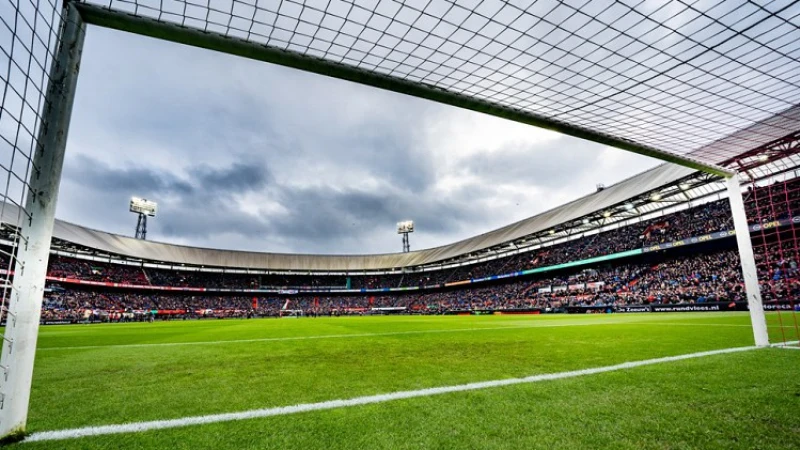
(677, 75)
(28, 37)
(774, 207)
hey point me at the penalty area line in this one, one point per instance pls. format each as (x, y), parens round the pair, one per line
(138, 427)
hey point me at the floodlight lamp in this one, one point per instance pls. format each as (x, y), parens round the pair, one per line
(143, 206)
(406, 226)
(629, 206)
(763, 157)
(552, 231)
(586, 221)
(684, 186)
(607, 214)
(655, 197)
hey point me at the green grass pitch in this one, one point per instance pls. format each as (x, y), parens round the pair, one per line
(110, 374)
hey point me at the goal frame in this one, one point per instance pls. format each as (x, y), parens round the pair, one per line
(33, 251)
(19, 341)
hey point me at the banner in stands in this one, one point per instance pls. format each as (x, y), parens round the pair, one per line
(595, 285)
(582, 262)
(125, 285)
(484, 312)
(722, 234)
(694, 240)
(694, 307)
(496, 277)
(633, 308)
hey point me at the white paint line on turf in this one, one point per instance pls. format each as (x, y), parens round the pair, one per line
(361, 335)
(699, 324)
(788, 344)
(138, 427)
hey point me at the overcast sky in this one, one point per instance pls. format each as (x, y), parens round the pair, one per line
(247, 155)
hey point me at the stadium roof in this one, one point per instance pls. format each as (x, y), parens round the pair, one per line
(666, 78)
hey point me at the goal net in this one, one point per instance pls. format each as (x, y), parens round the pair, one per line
(663, 90)
(774, 212)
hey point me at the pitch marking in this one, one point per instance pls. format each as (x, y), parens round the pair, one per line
(357, 401)
(788, 345)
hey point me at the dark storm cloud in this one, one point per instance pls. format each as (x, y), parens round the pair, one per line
(317, 215)
(197, 204)
(95, 174)
(200, 180)
(239, 177)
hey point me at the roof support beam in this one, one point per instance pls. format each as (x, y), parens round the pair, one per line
(122, 21)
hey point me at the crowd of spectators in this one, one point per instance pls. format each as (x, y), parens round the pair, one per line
(775, 201)
(62, 267)
(687, 279)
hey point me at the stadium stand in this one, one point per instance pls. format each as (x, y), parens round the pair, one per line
(669, 280)
(83, 289)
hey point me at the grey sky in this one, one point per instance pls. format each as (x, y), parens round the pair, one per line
(247, 155)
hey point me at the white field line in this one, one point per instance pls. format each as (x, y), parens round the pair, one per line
(699, 324)
(360, 335)
(357, 401)
(787, 344)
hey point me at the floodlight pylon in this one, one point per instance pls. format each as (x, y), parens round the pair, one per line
(141, 227)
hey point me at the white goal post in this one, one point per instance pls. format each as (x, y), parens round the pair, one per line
(747, 258)
(33, 249)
